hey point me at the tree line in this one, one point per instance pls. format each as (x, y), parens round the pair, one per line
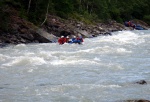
(120, 10)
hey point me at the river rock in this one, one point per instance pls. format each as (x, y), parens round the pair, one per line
(26, 32)
(142, 82)
(141, 100)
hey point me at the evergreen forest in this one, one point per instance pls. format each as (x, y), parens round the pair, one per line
(35, 11)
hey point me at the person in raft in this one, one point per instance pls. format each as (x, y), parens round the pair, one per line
(130, 24)
(68, 40)
(78, 40)
(75, 39)
(61, 40)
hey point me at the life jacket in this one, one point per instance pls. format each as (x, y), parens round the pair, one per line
(129, 23)
(73, 39)
(80, 39)
(61, 41)
(66, 40)
(126, 24)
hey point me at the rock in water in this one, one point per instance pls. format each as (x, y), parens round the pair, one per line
(141, 82)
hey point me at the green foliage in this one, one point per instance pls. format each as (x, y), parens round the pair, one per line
(4, 17)
(147, 19)
(84, 10)
(62, 14)
(63, 7)
(22, 13)
(115, 13)
(85, 17)
(14, 3)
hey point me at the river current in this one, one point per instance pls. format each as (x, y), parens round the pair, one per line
(102, 69)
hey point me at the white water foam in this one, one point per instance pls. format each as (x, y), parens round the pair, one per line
(23, 61)
(103, 69)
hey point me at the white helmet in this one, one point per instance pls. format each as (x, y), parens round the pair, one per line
(62, 36)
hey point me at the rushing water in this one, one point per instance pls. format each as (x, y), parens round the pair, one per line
(103, 69)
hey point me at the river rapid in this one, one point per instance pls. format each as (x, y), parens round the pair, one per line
(102, 69)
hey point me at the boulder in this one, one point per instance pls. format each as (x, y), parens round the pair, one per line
(142, 82)
(48, 37)
(141, 100)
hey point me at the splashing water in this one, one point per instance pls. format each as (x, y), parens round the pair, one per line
(103, 69)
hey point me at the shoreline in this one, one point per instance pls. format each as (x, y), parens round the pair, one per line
(23, 32)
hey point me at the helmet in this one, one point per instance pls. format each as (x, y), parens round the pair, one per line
(67, 36)
(62, 36)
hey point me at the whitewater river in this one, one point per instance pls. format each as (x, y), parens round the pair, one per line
(103, 69)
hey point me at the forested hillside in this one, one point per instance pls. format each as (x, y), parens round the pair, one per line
(36, 11)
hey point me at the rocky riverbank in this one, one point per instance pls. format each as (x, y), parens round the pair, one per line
(141, 100)
(23, 31)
